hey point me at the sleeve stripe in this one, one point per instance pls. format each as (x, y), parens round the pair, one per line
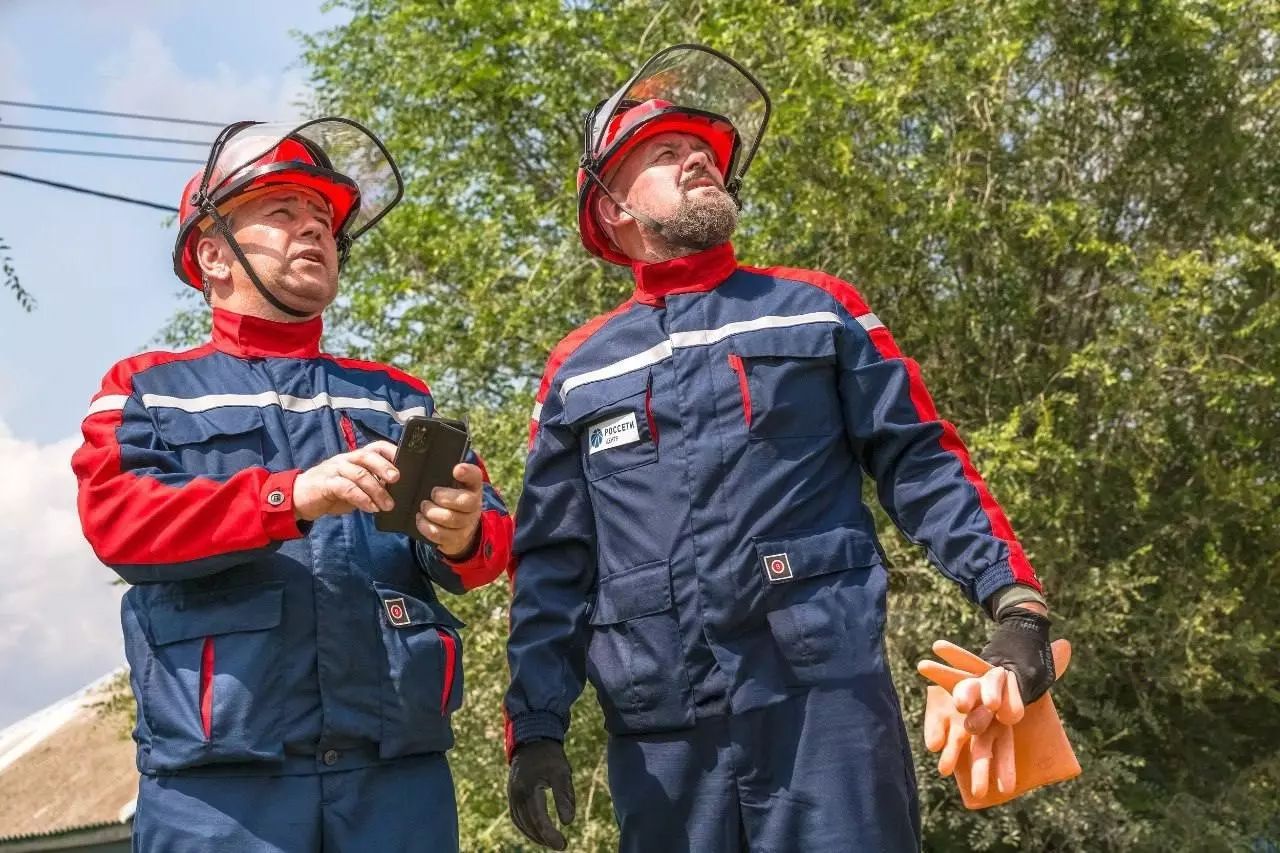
(107, 403)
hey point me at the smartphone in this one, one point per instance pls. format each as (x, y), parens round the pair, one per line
(428, 451)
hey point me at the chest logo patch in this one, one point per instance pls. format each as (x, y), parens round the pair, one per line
(614, 432)
(777, 568)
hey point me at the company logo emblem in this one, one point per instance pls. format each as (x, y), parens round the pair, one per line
(777, 567)
(614, 432)
(396, 611)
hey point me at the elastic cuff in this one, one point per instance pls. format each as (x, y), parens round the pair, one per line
(993, 578)
(276, 500)
(1011, 596)
(537, 724)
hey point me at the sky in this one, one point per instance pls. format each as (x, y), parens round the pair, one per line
(101, 273)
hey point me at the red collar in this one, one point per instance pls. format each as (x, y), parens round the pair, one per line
(702, 271)
(254, 337)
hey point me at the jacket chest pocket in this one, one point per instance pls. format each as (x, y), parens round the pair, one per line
(217, 442)
(614, 422)
(787, 387)
(211, 688)
(422, 680)
(362, 427)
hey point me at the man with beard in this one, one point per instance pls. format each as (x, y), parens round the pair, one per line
(691, 536)
(294, 670)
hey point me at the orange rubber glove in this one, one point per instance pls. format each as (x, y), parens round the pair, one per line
(1022, 749)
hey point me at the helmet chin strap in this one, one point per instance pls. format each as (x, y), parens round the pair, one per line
(221, 224)
(647, 221)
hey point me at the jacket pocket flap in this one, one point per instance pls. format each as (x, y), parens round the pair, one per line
(209, 613)
(401, 610)
(642, 591)
(594, 396)
(810, 554)
(786, 343)
(179, 428)
(375, 425)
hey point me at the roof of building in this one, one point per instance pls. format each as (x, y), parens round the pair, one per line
(70, 767)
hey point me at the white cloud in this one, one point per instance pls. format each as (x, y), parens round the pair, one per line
(145, 78)
(59, 611)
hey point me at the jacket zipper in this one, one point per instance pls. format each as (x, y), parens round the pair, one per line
(349, 432)
(450, 661)
(206, 688)
(648, 413)
(735, 362)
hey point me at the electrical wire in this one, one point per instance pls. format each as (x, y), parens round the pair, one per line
(117, 156)
(104, 135)
(85, 111)
(87, 191)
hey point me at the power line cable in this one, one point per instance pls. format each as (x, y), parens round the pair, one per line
(85, 111)
(104, 135)
(112, 154)
(87, 191)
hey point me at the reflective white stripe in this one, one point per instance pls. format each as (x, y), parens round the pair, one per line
(537, 411)
(107, 403)
(284, 401)
(870, 321)
(210, 401)
(682, 340)
(652, 355)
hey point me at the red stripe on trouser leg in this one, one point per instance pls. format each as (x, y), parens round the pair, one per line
(735, 362)
(206, 687)
(349, 432)
(450, 661)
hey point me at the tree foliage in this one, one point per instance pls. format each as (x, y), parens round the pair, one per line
(25, 300)
(1069, 213)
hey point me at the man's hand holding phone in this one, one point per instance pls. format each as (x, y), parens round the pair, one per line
(420, 488)
(451, 517)
(346, 482)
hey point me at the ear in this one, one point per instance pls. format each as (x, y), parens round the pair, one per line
(608, 213)
(212, 256)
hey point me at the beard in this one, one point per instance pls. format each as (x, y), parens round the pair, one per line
(703, 222)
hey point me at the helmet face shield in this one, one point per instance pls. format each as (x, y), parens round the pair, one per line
(692, 79)
(244, 151)
(335, 157)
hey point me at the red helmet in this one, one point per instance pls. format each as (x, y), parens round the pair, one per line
(685, 88)
(291, 161)
(627, 130)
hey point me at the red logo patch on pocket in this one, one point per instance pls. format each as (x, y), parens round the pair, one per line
(396, 611)
(777, 567)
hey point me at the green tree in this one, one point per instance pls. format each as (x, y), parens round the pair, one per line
(1069, 213)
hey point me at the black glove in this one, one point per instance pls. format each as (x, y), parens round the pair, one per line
(1020, 644)
(536, 766)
